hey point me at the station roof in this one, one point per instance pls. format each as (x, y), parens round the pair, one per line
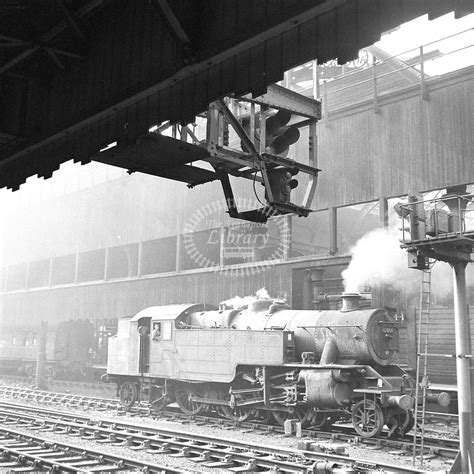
(76, 75)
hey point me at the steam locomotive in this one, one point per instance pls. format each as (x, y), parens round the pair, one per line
(267, 360)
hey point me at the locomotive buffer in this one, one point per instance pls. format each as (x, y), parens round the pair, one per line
(441, 229)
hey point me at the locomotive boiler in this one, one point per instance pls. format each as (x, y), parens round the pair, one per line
(267, 360)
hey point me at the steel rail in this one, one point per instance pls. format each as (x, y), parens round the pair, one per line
(24, 452)
(69, 399)
(210, 451)
(434, 445)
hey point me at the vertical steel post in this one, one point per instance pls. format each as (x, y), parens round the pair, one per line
(40, 378)
(288, 237)
(315, 79)
(325, 104)
(222, 235)
(307, 289)
(139, 258)
(177, 259)
(312, 161)
(332, 230)
(76, 267)
(106, 262)
(463, 351)
(374, 86)
(383, 211)
(50, 271)
(179, 246)
(424, 92)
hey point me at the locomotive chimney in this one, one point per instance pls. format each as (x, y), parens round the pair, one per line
(350, 302)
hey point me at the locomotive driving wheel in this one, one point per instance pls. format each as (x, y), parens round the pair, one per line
(367, 418)
(319, 419)
(237, 413)
(301, 413)
(184, 395)
(128, 394)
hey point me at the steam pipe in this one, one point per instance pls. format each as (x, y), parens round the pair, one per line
(323, 298)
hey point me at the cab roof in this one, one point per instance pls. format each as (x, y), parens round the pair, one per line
(170, 312)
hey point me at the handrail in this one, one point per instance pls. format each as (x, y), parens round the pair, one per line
(328, 90)
(396, 56)
(410, 66)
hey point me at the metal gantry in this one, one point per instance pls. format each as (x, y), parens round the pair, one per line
(440, 229)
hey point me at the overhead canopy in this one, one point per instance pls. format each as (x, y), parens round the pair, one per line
(76, 75)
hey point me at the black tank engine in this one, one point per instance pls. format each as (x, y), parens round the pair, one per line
(267, 360)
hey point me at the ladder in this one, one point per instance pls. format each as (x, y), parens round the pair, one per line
(422, 360)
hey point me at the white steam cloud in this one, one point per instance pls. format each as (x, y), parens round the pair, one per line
(239, 302)
(378, 259)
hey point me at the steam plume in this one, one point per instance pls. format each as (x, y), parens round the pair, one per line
(378, 259)
(239, 302)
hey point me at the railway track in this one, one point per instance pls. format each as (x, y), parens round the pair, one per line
(211, 452)
(433, 445)
(67, 399)
(57, 385)
(23, 452)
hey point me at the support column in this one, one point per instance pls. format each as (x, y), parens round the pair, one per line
(40, 378)
(463, 349)
(307, 290)
(106, 263)
(27, 274)
(139, 259)
(179, 249)
(50, 271)
(332, 230)
(383, 212)
(289, 237)
(222, 236)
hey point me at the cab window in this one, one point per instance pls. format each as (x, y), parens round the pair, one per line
(156, 331)
(166, 330)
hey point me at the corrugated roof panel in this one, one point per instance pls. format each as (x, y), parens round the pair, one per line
(136, 50)
(273, 59)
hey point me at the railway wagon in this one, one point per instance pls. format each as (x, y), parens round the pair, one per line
(267, 360)
(70, 350)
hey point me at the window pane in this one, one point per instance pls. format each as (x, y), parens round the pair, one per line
(159, 256)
